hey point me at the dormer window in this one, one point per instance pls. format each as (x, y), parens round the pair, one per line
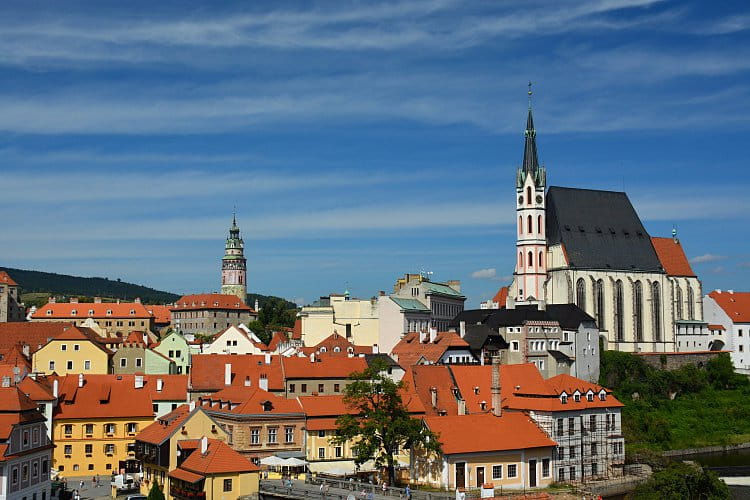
(483, 405)
(323, 349)
(91, 312)
(73, 312)
(602, 396)
(216, 304)
(49, 312)
(590, 397)
(132, 312)
(564, 398)
(109, 312)
(577, 397)
(336, 349)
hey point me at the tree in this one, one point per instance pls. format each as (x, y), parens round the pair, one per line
(380, 423)
(155, 493)
(682, 481)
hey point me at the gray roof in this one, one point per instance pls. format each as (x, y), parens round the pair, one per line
(569, 316)
(477, 336)
(599, 230)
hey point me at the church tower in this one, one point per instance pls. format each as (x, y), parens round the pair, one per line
(234, 264)
(531, 243)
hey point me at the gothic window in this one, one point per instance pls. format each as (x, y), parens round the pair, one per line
(529, 227)
(619, 331)
(599, 302)
(520, 260)
(581, 293)
(528, 195)
(530, 263)
(690, 303)
(678, 294)
(520, 225)
(541, 260)
(638, 310)
(539, 224)
(656, 310)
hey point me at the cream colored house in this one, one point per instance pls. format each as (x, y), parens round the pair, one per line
(356, 319)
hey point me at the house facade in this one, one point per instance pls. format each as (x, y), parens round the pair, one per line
(210, 313)
(10, 307)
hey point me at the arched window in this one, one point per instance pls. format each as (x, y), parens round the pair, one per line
(656, 310)
(520, 260)
(599, 303)
(690, 303)
(539, 224)
(619, 333)
(638, 310)
(520, 225)
(529, 227)
(581, 293)
(530, 263)
(678, 299)
(541, 260)
(528, 195)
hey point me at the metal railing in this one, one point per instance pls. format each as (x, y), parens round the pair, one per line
(389, 491)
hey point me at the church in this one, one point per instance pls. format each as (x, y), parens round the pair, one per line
(589, 248)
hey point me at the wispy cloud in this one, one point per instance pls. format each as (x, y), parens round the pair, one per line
(484, 273)
(709, 257)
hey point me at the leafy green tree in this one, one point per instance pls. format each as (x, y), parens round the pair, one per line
(155, 493)
(721, 373)
(380, 423)
(681, 481)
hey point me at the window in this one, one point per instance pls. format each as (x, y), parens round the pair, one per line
(638, 310)
(51, 366)
(546, 467)
(497, 472)
(272, 431)
(45, 467)
(68, 429)
(742, 348)
(25, 472)
(75, 467)
(35, 434)
(88, 428)
(619, 319)
(572, 471)
(155, 408)
(656, 310)
(564, 399)
(289, 434)
(592, 420)
(571, 425)
(109, 428)
(529, 226)
(512, 470)
(336, 387)
(560, 427)
(581, 293)
(594, 469)
(178, 354)
(76, 347)
(171, 354)
(321, 434)
(291, 387)
(593, 449)
(138, 362)
(539, 224)
(530, 263)
(690, 303)
(321, 452)
(514, 346)
(678, 299)
(337, 451)
(577, 397)
(91, 466)
(89, 449)
(123, 362)
(87, 365)
(599, 303)
(590, 397)
(109, 449)
(227, 485)
(255, 435)
(25, 438)
(69, 364)
(63, 347)
(304, 387)
(68, 449)
(132, 427)
(561, 474)
(321, 388)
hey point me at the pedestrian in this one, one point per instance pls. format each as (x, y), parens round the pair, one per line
(80, 486)
(321, 486)
(363, 493)
(76, 495)
(407, 492)
(325, 489)
(385, 488)
(370, 496)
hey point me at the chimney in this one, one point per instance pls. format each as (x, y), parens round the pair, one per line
(26, 350)
(6, 381)
(455, 284)
(462, 407)
(312, 357)
(542, 305)
(80, 380)
(51, 300)
(247, 381)
(510, 303)
(263, 381)
(191, 406)
(55, 388)
(74, 300)
(433, 335)
(97, 300)
(375, 349)
(159, 384)
(228, 374)
(138, 380)
(730, 291)
(423, 337)
(267, 358)
(204, 445)
(462, 328)
(145, 338)
(433, 396)
(496, 400)
(137, 300)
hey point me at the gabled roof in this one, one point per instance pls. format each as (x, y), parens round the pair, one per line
(35, 334)
(328, 346)
(241, 400)
(134, 310)
(423, 378)
(569, 316)
(13, 399)
(84, 334)
(164, 427)
(442, 289)
(410, 349)
(599, 230)
(297, 331)
(207, 371)
(735, 304)
(101, 396)
(161, 314)
(501, 297)
(210, 301)
(5, 279)
(276, 339)
(218, 459)
(477, 336)
(672, 257)
(37, 390)
(410, 304)
(511, 431)
(324, 367)
(324, 406)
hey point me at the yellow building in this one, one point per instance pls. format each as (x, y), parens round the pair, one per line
(156, 445)
(96, 421)
(508, 451)
(355, 319)
(74, 350)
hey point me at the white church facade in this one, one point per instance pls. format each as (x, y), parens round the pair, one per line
(589, 248)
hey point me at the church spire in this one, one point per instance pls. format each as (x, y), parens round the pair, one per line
(530, 159)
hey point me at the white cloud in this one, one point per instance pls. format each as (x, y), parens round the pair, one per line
(484, 273)
(708, 257)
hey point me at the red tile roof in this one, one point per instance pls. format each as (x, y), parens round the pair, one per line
(716, 327)
(324, 367)
(735, 304)
(218, 459)
(330, 344)
(410, 349)
(241, 400)
(207, 371)
(297, 331)
(321, 424)
(83, 333)
(14, 356)
(422, 378)
(672, 257)
(161, 314)
(174, 387)
(6, 279)
(324, 406)
(12, 399)
(102, 396)
(210, 301)
(276, 339)
(501, 297)
(165, 426)
(34, 334)
(131, 310)
(184, 475)
(487, 433)
(37, 390)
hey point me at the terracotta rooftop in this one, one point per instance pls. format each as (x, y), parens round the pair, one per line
(165, 425)
(336, 344)
(324, 367)
(297, 331)
(67, 310)
(735, 304)
(184, 475)
(218, 459)
(210, 301)
(6, 279)
(241, 400)
(410, 349)
(501, 297)
(672, 257)
(511, 431)
(38, 390)
(422, 379)
(34, 334)
(102, 396)
(161, 314)
(207, 371)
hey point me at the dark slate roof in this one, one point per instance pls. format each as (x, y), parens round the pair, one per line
(477, 336)
(599, 230)
(560, 356)
(389, 361)
(569, 316)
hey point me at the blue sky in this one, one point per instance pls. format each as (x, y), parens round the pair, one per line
(360, 140)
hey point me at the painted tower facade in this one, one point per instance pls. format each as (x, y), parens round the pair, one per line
(234, 265)
(531, 242)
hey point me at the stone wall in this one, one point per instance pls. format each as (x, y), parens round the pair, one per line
(675, 360)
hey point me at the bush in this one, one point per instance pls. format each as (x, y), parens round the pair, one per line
(682, 481)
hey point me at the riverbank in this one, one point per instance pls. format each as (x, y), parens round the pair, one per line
(705, 450)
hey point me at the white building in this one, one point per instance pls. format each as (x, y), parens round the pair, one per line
(728, 315)
(235, 340)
